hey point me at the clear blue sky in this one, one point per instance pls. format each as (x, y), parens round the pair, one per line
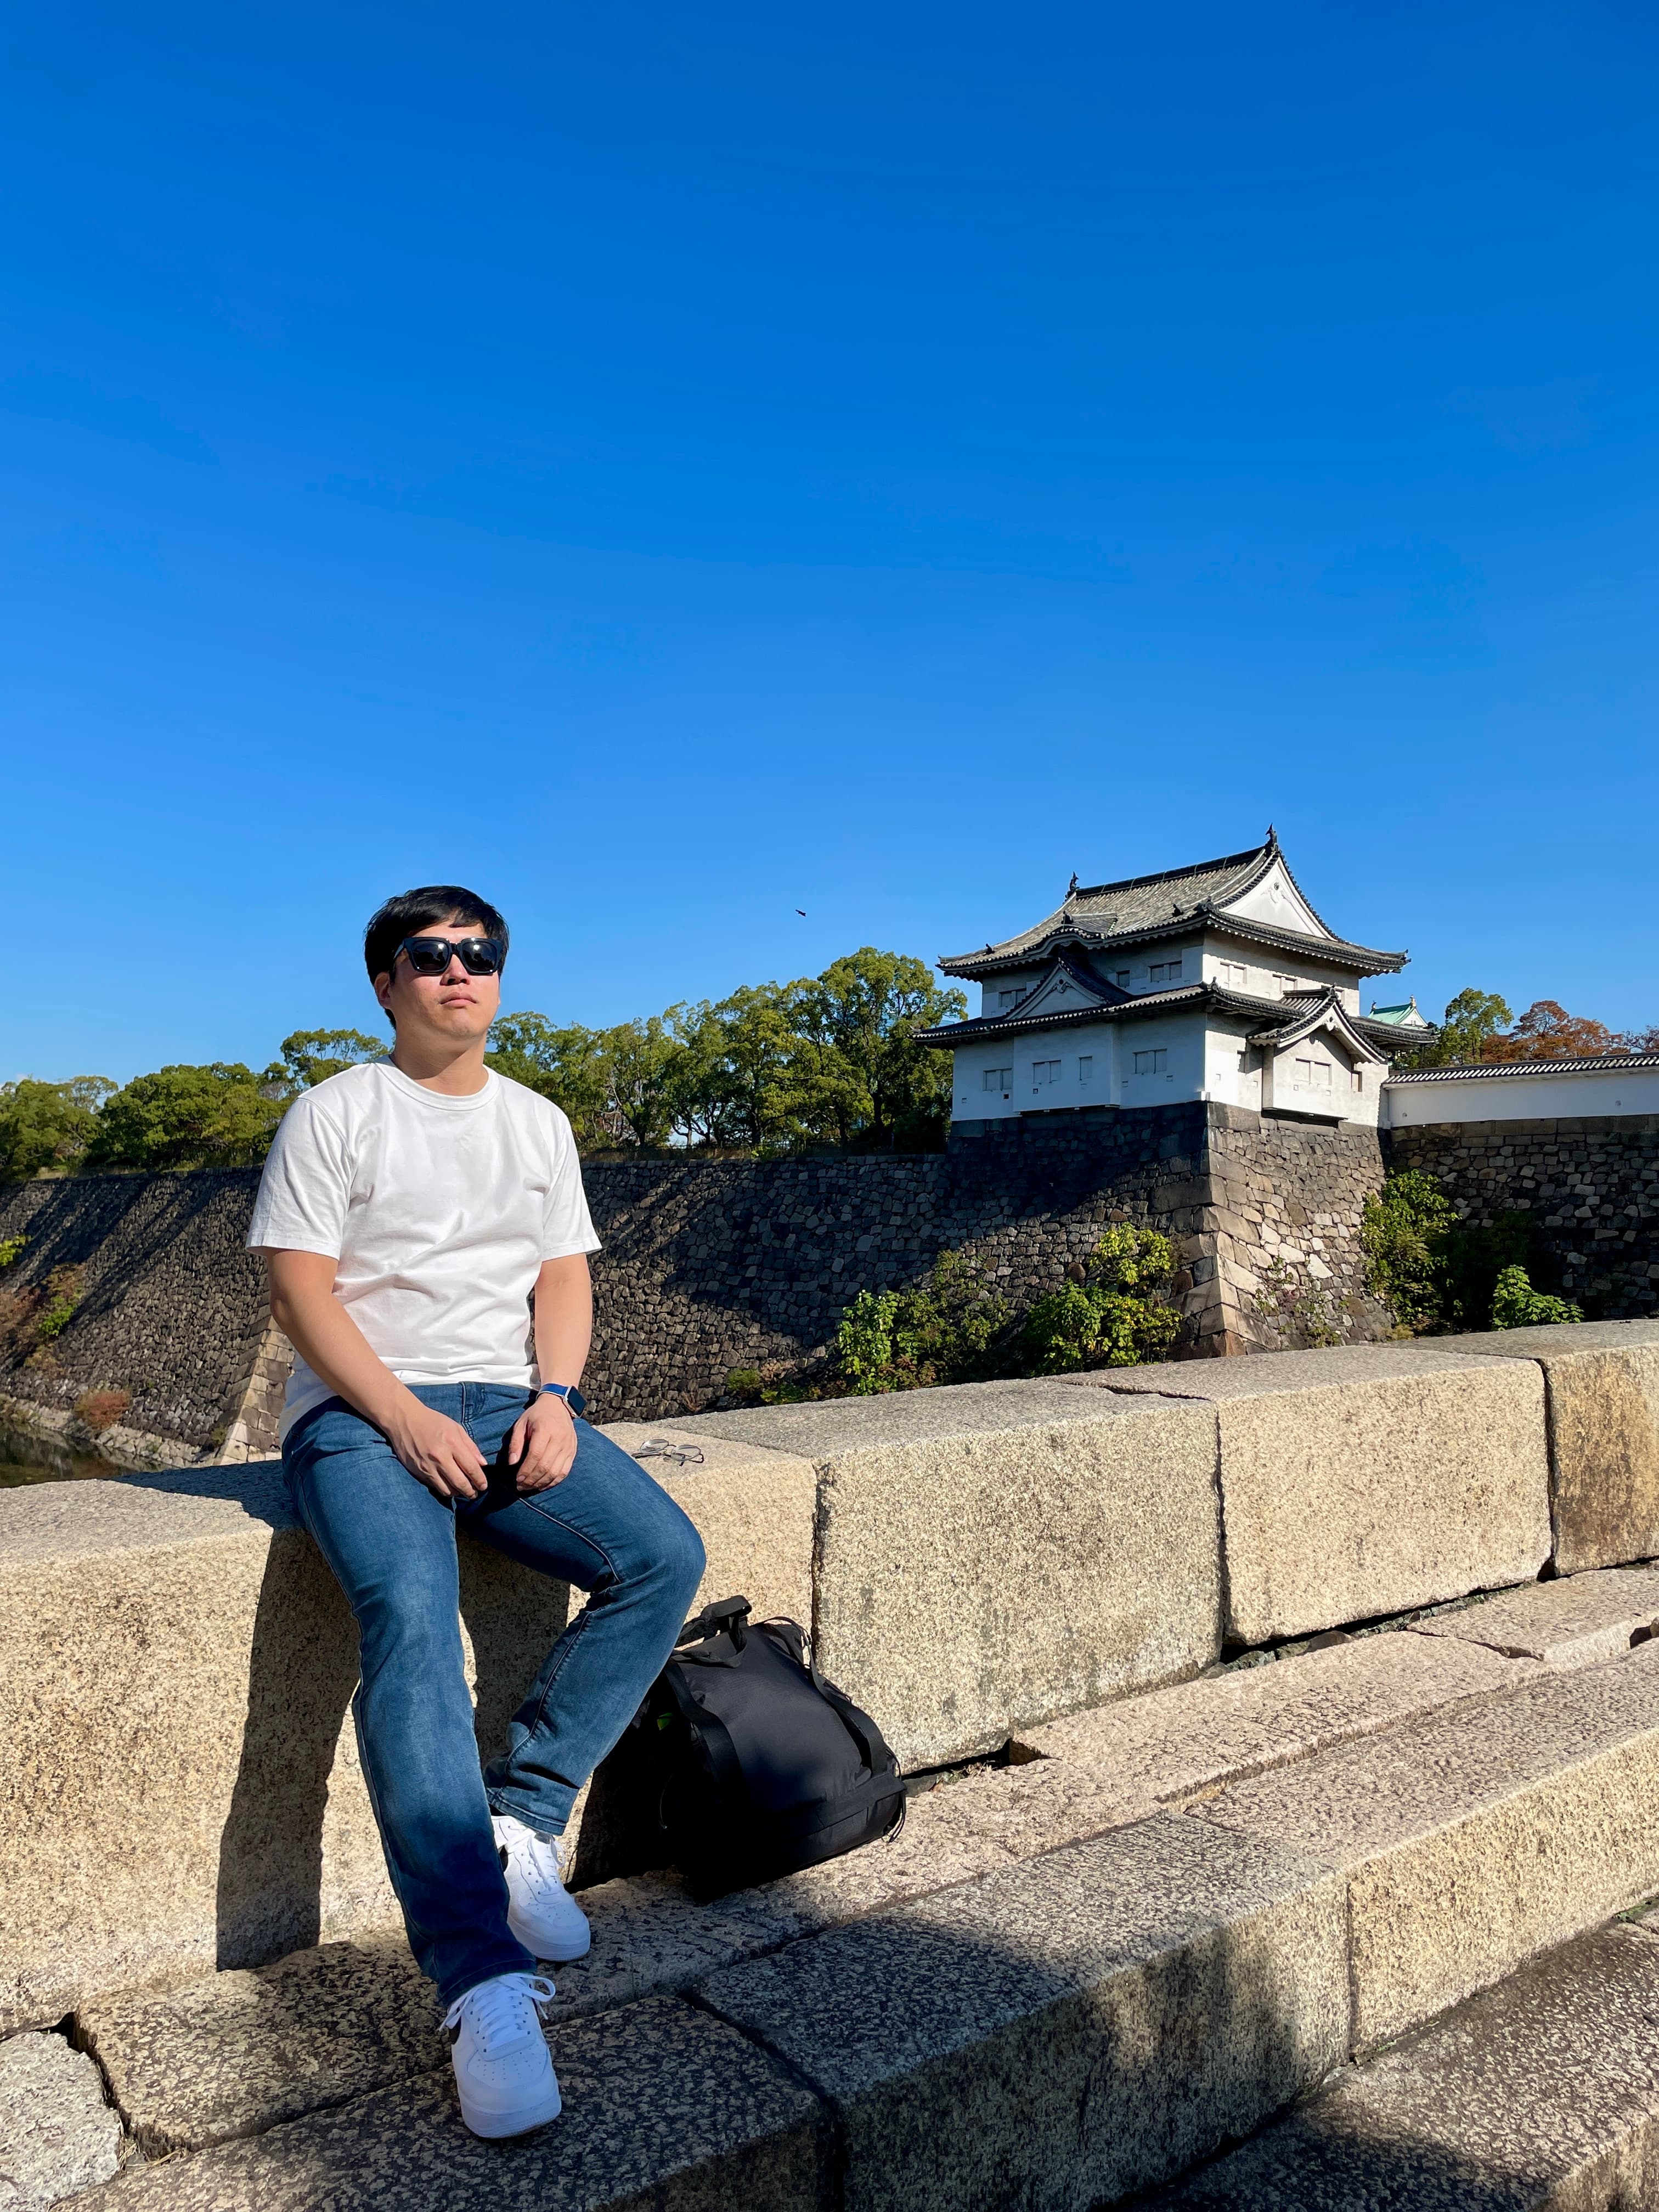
(669, 465)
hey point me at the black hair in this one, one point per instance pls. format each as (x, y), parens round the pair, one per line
(418, 909)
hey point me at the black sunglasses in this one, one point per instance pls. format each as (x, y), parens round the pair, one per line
(431, 956)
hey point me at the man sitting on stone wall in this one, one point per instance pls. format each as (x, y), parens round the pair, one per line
(427, 1235)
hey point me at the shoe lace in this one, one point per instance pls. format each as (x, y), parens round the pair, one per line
(540, 1859)
(503, 2009)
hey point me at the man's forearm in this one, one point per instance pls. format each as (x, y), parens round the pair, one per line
(564, 1319)
(335, 1350)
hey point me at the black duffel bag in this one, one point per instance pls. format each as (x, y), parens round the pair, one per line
(759, 1765)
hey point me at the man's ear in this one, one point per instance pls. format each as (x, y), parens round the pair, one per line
(383, 993)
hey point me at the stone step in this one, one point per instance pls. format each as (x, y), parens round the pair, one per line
(1064, 2031)
(1471, 1840)
(1060, 2031)
(665, 2107)
(1541, 2095)
(57, 2133)
(233, 2053)
(1574, 1621)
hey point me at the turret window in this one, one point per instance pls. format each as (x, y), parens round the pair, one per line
(1165, 971)
(1232, 975)
(1153, 1062)
(1044, 1071)
(1085, 1067)
(999, 1079)
(1007, 999)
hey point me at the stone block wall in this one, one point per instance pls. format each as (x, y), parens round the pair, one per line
(1282, 1225)
(172, 1309)
(1592, 1188)
(710, 1266)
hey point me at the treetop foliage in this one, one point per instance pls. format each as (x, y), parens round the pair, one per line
(1478, 1026)
(829, 1059)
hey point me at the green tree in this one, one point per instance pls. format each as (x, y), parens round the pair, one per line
(311, 1056)
(646, 1064)
(875, 1083)
(1471, 1021)
(47, 1125)
(220, 1116)
(565, 1062)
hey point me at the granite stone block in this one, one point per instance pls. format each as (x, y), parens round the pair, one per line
(993, 1555)
(1578, 1620)
(1471, 1841)
(664, 2110)
(176, 1669)
(1365, 1481)
(1541, 2095)
(753, 1508)
(1170, 1744)
(1061, 2033)
(57, 2133)
(240, 2051)
(237, 2053)
(1602, 1382)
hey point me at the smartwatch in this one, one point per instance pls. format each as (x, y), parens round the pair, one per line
(572, 1396)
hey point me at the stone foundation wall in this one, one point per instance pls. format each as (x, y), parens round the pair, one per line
(712, 1266)
(1283, 1212)
(172, 1309)
(1592, 1188)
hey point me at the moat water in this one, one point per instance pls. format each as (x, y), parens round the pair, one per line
(25, 1459)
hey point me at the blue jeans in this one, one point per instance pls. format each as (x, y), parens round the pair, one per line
(607, 1528)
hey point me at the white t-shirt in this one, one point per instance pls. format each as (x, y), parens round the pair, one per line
(439, 1210)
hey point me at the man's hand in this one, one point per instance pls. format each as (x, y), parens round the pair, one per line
(542, 1449)
(437, 1451)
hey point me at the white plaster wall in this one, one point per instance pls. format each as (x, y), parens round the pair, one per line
(1223, 1080)
(1262, 969)
(1570, 1094)
(990, 994)
(1182, 1040)
(972, 1102)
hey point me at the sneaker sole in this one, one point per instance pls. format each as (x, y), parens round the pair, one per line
(491, 2127)
(516, 1928)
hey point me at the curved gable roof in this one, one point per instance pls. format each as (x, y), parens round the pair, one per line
(1173, 901)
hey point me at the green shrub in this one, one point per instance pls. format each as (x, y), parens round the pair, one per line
(950, 1329)
(11, 1248)
(1402, 1233)
(64, 1291)
(1119, 1315)
(1435, 1272)
(1516, 1304)
(1477, 1254)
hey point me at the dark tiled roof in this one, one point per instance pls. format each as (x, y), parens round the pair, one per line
(1170, 903)
(1273, 1013)
(1485, 1071)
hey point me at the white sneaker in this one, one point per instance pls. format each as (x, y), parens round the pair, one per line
(540, 1911)
(502, 2067)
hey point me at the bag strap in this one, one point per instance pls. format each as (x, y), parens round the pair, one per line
(794, 1638)
(711, 1733)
